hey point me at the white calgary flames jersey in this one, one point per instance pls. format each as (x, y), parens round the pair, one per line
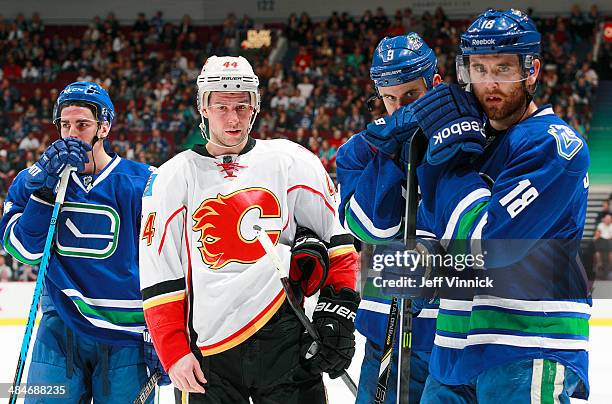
(207, 283)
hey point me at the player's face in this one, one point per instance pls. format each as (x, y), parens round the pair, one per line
(80, 123)
(229, 115)
(396, 97)
(498, 85)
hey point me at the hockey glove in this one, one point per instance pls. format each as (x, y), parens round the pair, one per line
(334, 318)
(403, 278)
(152, 360)
(46, 172)
(390, 133)
(451, 118)
(309, 262)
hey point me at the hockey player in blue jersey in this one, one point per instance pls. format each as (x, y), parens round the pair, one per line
(487, 347)
(90, 336)
(371, 170)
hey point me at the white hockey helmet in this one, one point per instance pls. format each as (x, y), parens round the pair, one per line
(227, 74)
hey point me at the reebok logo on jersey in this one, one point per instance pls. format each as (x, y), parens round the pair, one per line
(477, 42)
(336, 308)
(458, 129)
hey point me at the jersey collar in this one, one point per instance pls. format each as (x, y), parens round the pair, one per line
(87, 181)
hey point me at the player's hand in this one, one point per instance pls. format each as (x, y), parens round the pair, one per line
(334, 318)
(152, 360)
(389, 134)
(451, 118)
(46, 172)
(309, 262)
(186, 374)
(406, 270)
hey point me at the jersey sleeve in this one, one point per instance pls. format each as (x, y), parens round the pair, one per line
(370, 184)
(25, 223)
(342, 259)
(535, 190)
(163, 257)
(312, 196)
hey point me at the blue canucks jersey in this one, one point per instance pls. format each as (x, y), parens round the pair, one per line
(92, 278)
(539, 193)
(372, 207)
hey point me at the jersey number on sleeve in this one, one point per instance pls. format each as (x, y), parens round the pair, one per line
(518, 199)
(149, 231)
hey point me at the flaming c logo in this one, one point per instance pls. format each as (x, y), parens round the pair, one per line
(219, 219)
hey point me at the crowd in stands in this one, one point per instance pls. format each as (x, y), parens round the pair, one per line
(602, 240)
(315, 94)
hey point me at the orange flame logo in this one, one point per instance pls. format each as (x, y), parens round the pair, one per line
(219, 220)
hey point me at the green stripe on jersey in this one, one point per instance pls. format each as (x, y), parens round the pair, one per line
(358, 229)
(369, 290)
(453, 323)
(538, 324)
(549, 371)
(16, 254)
(112, 316)
(460, 243)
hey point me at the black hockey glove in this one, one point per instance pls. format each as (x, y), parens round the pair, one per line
(309, 262)
(334, 319)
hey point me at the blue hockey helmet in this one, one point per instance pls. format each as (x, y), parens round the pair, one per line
(499, 32)
(89, 93)
(496, 31)
(401, 59)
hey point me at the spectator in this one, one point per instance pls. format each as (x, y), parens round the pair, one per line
(141, 25)
(30, 72)
(603, 249)
(6, 274)
(303, 60)
(26, 273)
(7, 172)
(605, 210)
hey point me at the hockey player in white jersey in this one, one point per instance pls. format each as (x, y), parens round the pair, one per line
(215, 308)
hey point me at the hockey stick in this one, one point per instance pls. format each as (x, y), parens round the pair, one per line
(385, 360)
(397, 319)
(148, 388)
(418, 146)
(294, 302)
(44, 263)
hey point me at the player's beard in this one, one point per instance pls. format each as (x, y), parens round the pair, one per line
(513, 102)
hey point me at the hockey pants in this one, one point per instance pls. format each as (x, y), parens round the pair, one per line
(535, 381)
(266, 367)
(87, 369)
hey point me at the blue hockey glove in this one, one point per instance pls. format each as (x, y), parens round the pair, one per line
(46, 172)
(152, 360)
(451, 118)
(390, 133)
(406, 271)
